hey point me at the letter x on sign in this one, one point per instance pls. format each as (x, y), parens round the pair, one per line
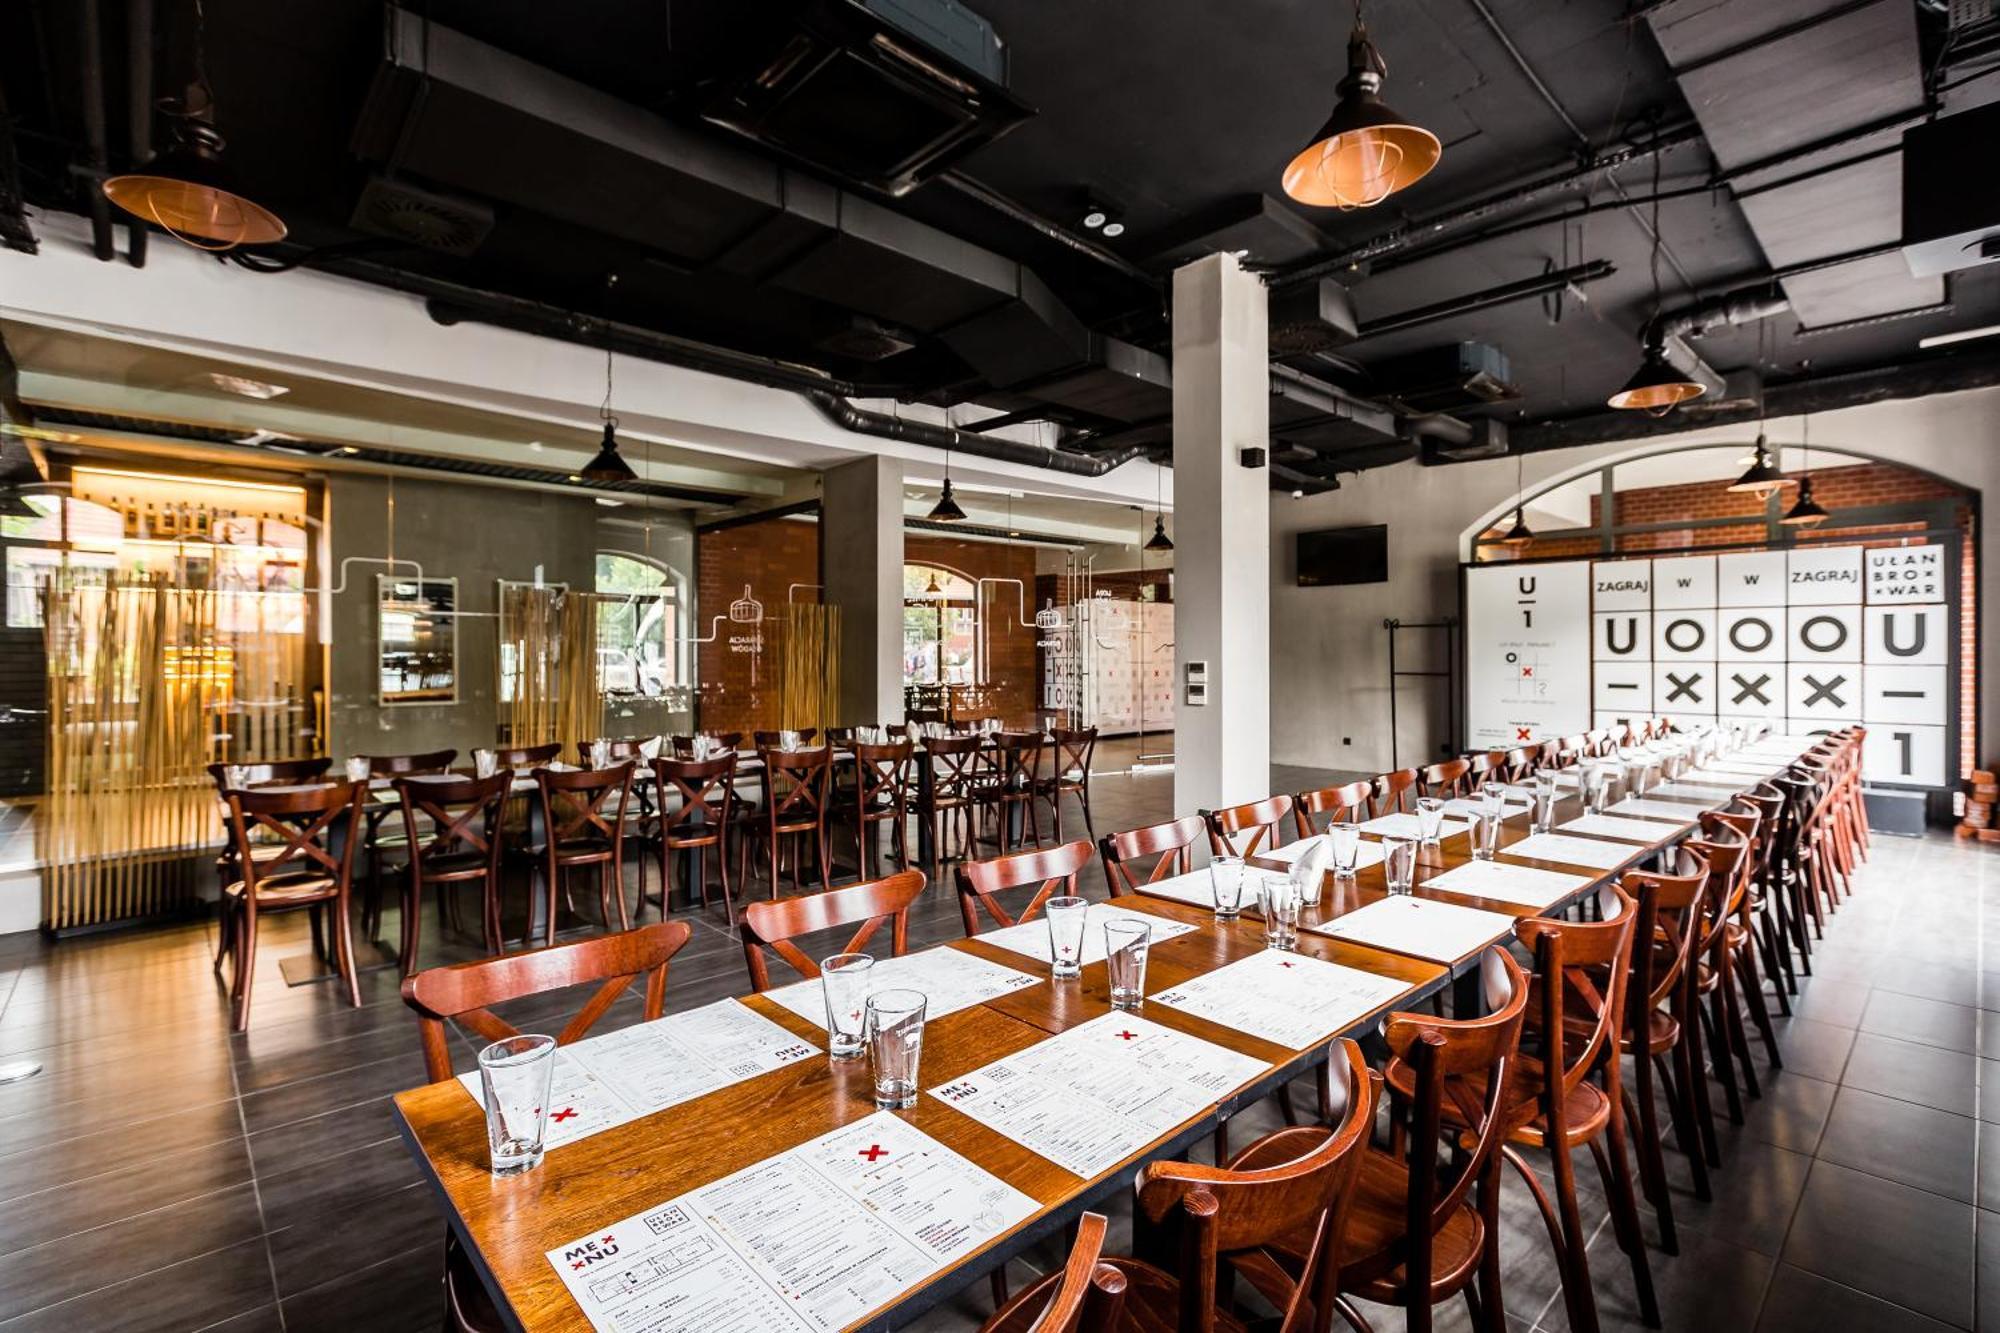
(1683, 687)
(1752, 689)
(1825, 691)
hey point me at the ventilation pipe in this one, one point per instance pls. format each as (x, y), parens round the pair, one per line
(1670, 329)
(847, 416)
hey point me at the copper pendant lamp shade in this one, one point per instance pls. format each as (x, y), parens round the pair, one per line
(1365, 152)
(1807, 512)
(608, 466)
(1159, 541)
(189, 193)
(1656, 387)
(946, 509)
(1762, 476)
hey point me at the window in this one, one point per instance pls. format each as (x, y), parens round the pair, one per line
(640, 652)
(940, 627)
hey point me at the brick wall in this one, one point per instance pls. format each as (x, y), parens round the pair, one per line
(738, 691)
(1009, 691)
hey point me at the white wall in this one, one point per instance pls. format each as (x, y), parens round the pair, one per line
(1329, 652)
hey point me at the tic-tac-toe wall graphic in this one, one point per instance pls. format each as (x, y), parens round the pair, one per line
(1807, 639)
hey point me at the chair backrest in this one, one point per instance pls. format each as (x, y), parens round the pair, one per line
(1017, 761)
(1295, 1182)
(706, 788)
(1349, 800)
(1394, 791)
(1583, 967)
(1445, 778)
(465, 814)
(955, 762)
(287, 771)
(883, 779)
(1522, 761)
(304, 821)
(527, 756)
(1471, 1061)
(1666, 932)
(616, 747)
(1050, 870)
(840, 735)
(1091, 1296)
(775, 924)
(1245, 830)
(464, 992)
(1170, 844)
(398, 765)
(1073, 752)
(573, 802)
(795, 788)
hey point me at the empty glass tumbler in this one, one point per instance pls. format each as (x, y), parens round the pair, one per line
(1065, 916)
(1430, 820)
(1280, 906)
(844, 979)
(1126, 943)
(1344, 838)
(1399, 864)
(1225, 878)
(895, 1046)
(515, 1075)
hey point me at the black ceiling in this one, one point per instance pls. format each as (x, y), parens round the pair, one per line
(1182, 112)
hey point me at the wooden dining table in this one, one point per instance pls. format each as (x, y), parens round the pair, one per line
(507, 1226)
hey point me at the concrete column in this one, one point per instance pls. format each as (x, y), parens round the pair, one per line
(861, 559)
(1222, 535)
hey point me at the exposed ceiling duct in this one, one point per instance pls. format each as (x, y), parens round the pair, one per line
(847, 416)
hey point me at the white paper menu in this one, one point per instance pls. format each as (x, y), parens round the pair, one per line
(1400, 825)
(950, 979)
(1508, 883)
(1705, 791)
(1440, 932)
(605, 1081)
(808, 1241)
(1090, 1097)
(1469, 806)
(1365, 853)
(1675, 811)
(1195, 888)
(1292, 999)
(1032, 937)
(1593, 852)
(1612, 826)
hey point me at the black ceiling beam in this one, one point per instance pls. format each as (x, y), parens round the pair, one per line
(1540, 285)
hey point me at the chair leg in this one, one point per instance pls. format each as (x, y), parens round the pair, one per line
(1721, 1060)
(413, 903)
(1752, 986)
(343, 946)
(1616, 1174)
(1687, 1127)
(1573, 1241)
(1492, 1310)
(1644, 1108)
(246, 968)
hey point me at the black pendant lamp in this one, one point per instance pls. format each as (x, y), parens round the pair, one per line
(946, 509)
(1159, 541)
(188, 191)
(608, 466)
(1762, 476)
(1365, 152)
(1520, 534)
(1806, 512)
(1656, 387)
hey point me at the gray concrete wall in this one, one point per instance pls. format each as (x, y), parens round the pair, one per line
(1329, 652)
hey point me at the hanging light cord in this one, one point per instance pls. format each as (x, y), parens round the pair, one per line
(604, 412)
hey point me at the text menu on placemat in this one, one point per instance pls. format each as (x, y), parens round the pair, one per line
(1508, 883)
(604, 1081)
(1399, 825)
(1613, 826)
(808, 1241)
(1090, 1097)
(1292, 999)
(1640, 807)
(1441, 932)
(950, 980)
(1031, 938)
(1561, 847)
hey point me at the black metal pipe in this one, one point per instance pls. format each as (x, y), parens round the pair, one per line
(847, 416)
(97, 157)
(1539, 285)
(1035, 222)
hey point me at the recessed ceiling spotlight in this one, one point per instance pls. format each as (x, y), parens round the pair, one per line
(609, 503)
(246, 386)
(1113, 230)
(575, 477)
(1945, 339)
(1101, 215)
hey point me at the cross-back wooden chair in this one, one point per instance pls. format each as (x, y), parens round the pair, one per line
(1520, 764)
(1726, 853)
(1740, 932)
(583, 825)
(949, 796)
(383, 838)
(1088, 1296)
(1245, 830)
(1395, 792)
(697, 802)
(1314, 810)
(884, 790)
(774, 925)
(797, 793)
(1070, 756)
(1170, 844)
(290, 772)
(455, 828)
(1011, 787)
(1446, 778)
(466, 992)
(403, 765)
(523, 757)
(1197, 1226)
(1051, 871)
(315, 829)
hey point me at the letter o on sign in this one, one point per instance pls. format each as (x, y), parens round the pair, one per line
(1810, 634)
(1754, 625)
(1681, 629)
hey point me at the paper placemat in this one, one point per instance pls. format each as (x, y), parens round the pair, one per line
(1508, 883)
(1639, 807)
(1031, 938)
(951, 980)
(1195, 888)
(1592, 852)
(1440, 932)
(1366, 853)
(1707, 791)
(1468, 807)
(1402, 825)
(1294, 1000)
(1610, 826)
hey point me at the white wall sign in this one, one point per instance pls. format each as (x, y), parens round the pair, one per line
(1621, 585)
(1823, 576)
(1622, 636)
(1755, 635)
(1750, 690)
(1685, 688)
(1623, 687)
(1684, 636)
(1527, 652)
(1905, 754)
(1905, 695)
(1824, 634)
(1905, 635)
(1750, 578)
(1829, 692)
(1683, 581)
(1906, 574)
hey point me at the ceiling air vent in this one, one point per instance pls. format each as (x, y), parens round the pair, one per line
(403, 212)
(1311, 318)
(859, 338)
(1444, 379)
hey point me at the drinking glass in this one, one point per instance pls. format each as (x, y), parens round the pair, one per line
(1066, 919)
(1485, 835)
(1430, 820)
(1125, 945)
(515, 1075)
(788, 740)
(1344, 838)
(895, 1032)
(236, 776)
(1596, 782)
(1279, 903)
(1399, 863)
(1543, 816)
(357, 768)
(844, 980)
(484, 763)
(600, 754)
(1225, 878)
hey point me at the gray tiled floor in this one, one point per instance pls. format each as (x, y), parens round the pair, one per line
(160, 1174)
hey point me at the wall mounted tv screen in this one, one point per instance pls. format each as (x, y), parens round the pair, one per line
(1334, 556)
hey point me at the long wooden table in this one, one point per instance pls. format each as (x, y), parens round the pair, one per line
(508, 1226)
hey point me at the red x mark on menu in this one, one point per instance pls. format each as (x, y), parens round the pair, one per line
(1520, 733)
(1128, 1036)
(874, 1152)
(1284, 962)
(567, 1113)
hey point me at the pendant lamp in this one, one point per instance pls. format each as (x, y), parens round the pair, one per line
(946, 509)
(1159, 541)
(1762, 476)
(1656, 387)
(1806, 512)
(1520, 534)
(608, 466)
(1365, 152)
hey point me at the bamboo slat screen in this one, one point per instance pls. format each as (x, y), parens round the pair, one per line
(144, 692)
(579, 709)
(809, 665)
(548, 665)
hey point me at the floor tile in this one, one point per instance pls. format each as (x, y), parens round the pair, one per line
(198, 1293)
(1888, 1240)
(1802, 1302)
(1929, 1022)
(1927, 1075)
(1901, 1141)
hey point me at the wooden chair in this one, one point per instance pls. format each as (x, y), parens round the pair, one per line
(1394, 792)
(1485, 766)
(455, 830)
(524, 757)
(1729, 974)
(795, 804)
(774, 925)
(1577, 1012)
(1088, 1296)
(578, 831)
(949, 796)
(382, 838)
(1349, 800)
(1522, 761)
(1244, 830)
(884, 790)
(286, 772)
(1051, 871)
(1445, 779)
(1414, 1236)
(466, 992)
(697, 810)
(315, 829)
(1071, 755)
(1170, 844)
(1196, 1226)
(1011, 787)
